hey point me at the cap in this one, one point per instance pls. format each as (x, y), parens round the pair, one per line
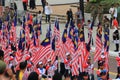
(89, 57)
(85, 73)
(11, 58)
(2, 66)
(27, 57)
(102, 56)
(67, 53)
(40, 63)
(49, 60)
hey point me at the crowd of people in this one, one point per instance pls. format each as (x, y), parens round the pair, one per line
(60, 68)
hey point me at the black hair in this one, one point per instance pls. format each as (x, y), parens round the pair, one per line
(57, 76)
(89, 21)
(1, 53)
(33, 76)
(39, 12)
(23, 65)
(103, 73)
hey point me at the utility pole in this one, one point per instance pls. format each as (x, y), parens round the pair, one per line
(81, 4)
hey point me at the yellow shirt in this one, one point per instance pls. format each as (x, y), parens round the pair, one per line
(20, 75)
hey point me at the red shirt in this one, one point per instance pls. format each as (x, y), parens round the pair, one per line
(115, 23)
(25, 1)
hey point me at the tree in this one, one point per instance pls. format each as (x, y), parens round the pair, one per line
(101, 2)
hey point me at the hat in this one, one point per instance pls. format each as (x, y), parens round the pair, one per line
(29, 65)
(11, 58)
(49, 60)
(102, 56)
(67, 53)
(40, 63)
(85, 73)
(2, 67)
(89, 57)
(27, 57)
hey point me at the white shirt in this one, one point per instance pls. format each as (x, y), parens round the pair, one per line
(115, 13)
(51, 70)
(41, 71)
(48, 10)
(111, 10)
(39, 17)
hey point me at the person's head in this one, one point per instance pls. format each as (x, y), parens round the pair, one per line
(23, 65)
(89, 21)
(114, 18)
(49, 62)
(112, 5)
(40, 65)
(70, 9)
(101, 65)
(67, 77)
(33, 76)
(119, 54)
(1, 55)
(57, 76)
(103, 75)
(75, 77)
(78, 8)
(68, 55)
(85, 76)
(2, 67)
(39, 12)
(89, 60)
(46, 3)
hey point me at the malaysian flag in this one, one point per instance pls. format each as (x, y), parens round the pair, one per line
(15, 19)
(44, 51)
(106, 48)
(75, 38)
(98, 42)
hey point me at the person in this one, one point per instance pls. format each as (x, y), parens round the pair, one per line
(15, 6)
(115, 33)
(103, 75)
(100, 13)
(118, 62)
(32, 4)
(43, 5)
(118, 13)
(48, 12)
(68, 64)
(57, 76)
(69, 14)
(2, 71)
(94, 13)
(89, 68)
(106, 23)
(33, 76)
(39, 17)
(50, 68)
(111, 11)
(89, 27)
(42, 71)
(102, 70)
(1, 53)
(22, 73)
(101, 60)
(67, 77)
(118, 76)
(25, 2)
(78, 16)
(75, 77)
(85, 76)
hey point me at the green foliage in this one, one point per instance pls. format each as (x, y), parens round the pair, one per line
(105, 3)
